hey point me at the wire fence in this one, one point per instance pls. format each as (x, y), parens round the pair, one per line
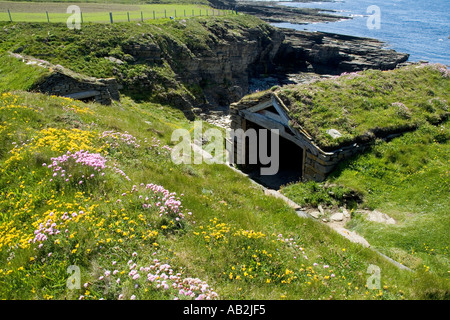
(113, 17)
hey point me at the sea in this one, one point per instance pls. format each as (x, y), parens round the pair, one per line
(418, 27)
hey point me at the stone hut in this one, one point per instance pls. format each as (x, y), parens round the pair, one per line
(298, 151)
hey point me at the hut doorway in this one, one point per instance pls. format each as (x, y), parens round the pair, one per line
(290, 160)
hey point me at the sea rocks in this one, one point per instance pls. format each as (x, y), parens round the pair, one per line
(328, 53)
(274, 13)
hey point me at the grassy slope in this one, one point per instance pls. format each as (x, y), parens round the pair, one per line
(406, 178)
(363, 105)
(84, 51)
(232, 240)
(37, 12)
(209, 192)
(15, 76)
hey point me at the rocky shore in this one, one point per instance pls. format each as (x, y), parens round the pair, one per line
(274, 13)
(306, 56)
(327, 53)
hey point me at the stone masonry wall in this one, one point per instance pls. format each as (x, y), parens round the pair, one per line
(317, 164)
(101, 90)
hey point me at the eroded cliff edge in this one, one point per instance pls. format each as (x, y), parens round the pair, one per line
(195, 63)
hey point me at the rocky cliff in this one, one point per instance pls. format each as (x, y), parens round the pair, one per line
(211, 67)
(195, 63)
(214, 68)
(327, 53)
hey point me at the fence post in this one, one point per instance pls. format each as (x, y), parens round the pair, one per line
(154, 17)
(9, 13)
(48, 19)
(165, 13)
(142, 16)
(110, 17)
(81, 16)
(192, 12)
(128, 15)
(175, 13)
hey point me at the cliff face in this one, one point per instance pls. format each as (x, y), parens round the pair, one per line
(327, 53)
(223, 66)
(212, 67)
(195, 63)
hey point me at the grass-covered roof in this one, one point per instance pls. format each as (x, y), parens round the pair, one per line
(369, 104)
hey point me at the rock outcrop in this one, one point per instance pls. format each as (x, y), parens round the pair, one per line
(327, 53)
(217, 71)
(274, 13)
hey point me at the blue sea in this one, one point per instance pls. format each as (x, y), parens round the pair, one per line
(420, 28)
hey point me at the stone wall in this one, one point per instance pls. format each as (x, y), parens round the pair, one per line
(64, 82)
(101, 90)
(316, 163)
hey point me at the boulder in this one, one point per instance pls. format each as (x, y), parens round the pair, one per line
(338, 216)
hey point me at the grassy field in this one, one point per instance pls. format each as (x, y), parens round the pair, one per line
(406, 178)
(115, 219)
(99, 12)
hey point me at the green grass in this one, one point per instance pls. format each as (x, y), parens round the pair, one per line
(84, 51)
(109, 2)
(369, 104)
(14, 75)
(244, 244)
(232, 240)
(406, 178)
(99, 13)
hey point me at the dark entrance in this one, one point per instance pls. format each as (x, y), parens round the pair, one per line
(290, 161)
